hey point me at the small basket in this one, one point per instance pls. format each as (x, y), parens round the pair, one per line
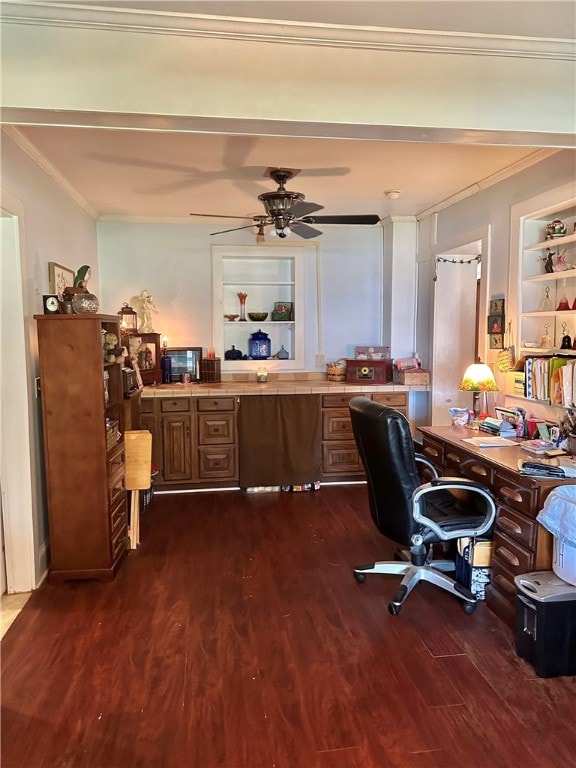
(336, 371)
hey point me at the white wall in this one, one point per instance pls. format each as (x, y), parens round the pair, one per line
(53, 228)
(173, 262)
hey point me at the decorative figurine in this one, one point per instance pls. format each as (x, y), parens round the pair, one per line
(546, 340)
(546, 305)
(548, 260)
(566, 339)
(556, 228)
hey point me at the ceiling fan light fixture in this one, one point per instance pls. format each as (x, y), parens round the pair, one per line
(392, 194)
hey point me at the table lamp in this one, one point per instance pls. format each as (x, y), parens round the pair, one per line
(478, 378)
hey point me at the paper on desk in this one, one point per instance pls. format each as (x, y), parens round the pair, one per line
(488, 442)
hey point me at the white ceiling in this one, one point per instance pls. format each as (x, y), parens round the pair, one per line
(160, 174)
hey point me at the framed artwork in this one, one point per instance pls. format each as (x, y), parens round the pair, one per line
(60, 278)
(496, 307)
(185, 360)
(495, 323)
(283, 310)
(496, 341)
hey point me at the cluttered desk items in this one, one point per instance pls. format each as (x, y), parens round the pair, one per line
(563, 467)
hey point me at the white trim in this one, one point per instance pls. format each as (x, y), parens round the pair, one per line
(48, 168)
(16, 469)
(288, 32)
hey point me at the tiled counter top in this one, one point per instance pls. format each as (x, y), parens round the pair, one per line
(294, 387)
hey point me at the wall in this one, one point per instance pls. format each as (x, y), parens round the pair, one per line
(490, 207)
(173, 262)
(53, 228)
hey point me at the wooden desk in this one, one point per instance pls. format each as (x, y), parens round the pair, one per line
(520, 544)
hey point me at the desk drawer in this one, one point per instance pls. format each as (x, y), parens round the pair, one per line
(215, 428)
(398, 400)
(434, 451)
(177, 405)
(341, 400)
(512, 556)
(336, 424)
(516, 495)
(469, 467)
(147, 405)
(520, 528)
(216, 404)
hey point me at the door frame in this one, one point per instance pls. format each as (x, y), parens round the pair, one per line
(482, 235)
(16, 421)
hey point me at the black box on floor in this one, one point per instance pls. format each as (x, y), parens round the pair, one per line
(546, 623)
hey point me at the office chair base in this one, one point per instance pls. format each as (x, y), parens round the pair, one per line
(411, 576)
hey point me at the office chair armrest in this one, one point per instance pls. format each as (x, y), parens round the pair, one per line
(446, 484)
(423, 460)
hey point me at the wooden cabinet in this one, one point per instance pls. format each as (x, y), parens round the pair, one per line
(340, 457)
(84, 463)
(177, 431)
(217, 443)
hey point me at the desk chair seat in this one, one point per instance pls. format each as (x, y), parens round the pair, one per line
(411, 513)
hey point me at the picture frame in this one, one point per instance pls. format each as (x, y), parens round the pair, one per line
(60, 277)
(496, 307)
(495, 324)
(496, 341)
(184, 360)
(283, 310)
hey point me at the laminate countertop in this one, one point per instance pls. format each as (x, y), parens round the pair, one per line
(294, 387)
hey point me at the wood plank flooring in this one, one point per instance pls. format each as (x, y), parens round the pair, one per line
(237, 637)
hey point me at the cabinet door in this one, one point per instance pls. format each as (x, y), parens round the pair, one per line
(217, 462)
(340, 458)
(176, 447)
(215, 428)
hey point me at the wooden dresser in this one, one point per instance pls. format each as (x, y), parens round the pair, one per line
(520, 544)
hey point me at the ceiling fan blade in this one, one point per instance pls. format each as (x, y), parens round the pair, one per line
(360, 219)
(304, 209)
(234, 229)
(218, 216)
(303, 230)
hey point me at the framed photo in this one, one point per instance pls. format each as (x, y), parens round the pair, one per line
(495, 324)
(283, 311)
(185, 360)
(496, 341)
(496, 307)
(60, 278)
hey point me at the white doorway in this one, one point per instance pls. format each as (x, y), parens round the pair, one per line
(460, 302)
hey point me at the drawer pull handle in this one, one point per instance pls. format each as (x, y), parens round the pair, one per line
(454, 457)
(506, 555)
(478, 469)
(509, 525)
(504, 584)
(510, 493)
(431, 452)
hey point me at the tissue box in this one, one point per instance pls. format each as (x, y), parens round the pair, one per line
(473, 561)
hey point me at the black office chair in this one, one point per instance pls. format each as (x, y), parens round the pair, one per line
(413, 514)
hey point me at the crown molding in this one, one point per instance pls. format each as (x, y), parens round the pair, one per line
(48, 168)
(286, 32)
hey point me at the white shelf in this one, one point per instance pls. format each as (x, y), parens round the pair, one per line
(550, 276)
(552, 313)
(552, 243)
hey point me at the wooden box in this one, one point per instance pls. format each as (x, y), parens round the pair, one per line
(368, 371)
(412, 377)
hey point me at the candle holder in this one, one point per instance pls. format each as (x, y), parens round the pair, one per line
(242, 296)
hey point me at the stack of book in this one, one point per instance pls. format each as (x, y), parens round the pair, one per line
(498, 427)
(539, 447)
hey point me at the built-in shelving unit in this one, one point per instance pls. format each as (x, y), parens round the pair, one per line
(269, 275)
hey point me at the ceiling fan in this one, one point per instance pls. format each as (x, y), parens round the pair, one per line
(288, 212)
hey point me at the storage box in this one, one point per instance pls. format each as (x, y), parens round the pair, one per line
(473, 561)
(412, 376)
(368, 371)
(210, 369)
(564, 560)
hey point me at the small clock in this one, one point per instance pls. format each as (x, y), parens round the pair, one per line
(50, 304)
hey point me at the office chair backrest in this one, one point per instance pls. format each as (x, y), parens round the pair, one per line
(386, 450)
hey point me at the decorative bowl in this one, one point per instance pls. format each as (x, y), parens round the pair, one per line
(231, 318)
(258, 316)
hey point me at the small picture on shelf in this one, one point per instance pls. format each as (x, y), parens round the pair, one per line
(283, 310)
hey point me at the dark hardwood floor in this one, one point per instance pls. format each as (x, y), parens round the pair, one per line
(236, 636)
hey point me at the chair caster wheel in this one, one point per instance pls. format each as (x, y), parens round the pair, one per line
(394, 609)
(469, 608)
(360, 577)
